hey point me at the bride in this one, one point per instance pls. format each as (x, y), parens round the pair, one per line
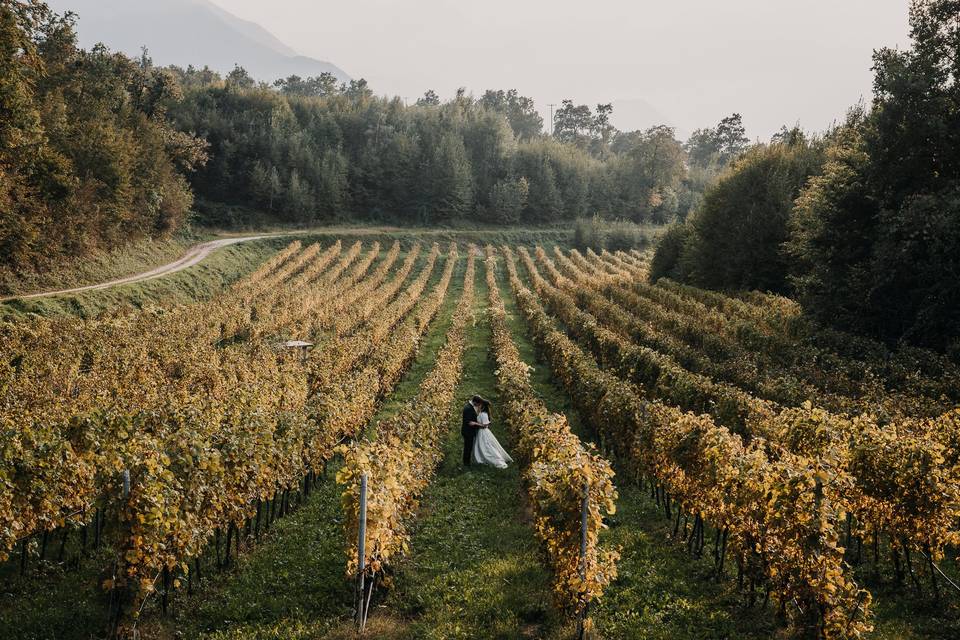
(486, 448)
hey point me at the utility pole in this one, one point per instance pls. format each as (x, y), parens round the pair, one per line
(551, 105)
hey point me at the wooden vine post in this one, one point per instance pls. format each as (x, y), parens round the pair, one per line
(362, 601)
(584, 523)
(119, 595)
(817, 507)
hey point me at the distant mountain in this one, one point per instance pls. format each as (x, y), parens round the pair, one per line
(633, 114)
(184, 32)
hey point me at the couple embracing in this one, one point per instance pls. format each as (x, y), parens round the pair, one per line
(479, 443)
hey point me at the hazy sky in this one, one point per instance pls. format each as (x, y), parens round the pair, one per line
(685, 62)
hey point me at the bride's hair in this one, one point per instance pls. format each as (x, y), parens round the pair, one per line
(485, 406)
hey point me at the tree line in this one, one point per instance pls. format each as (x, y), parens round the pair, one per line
(310, 150)
(860, 224)
(99, 149)
(88, 156)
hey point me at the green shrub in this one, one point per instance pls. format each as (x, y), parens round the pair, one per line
(666, 262)
(622, 235)
(587, 233)
(616, 235)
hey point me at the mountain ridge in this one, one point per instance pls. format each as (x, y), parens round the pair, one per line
(190, 32)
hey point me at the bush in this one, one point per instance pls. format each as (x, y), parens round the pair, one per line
(588, 233)
(622, 235)
(617, 235)
(666, 261)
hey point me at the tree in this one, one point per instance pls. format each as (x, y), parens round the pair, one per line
(703, 147)
(23, 150)
(602, 129)
(520, 111)
(239, 79)
(573, 124)
(508, 200)
(719, 145)
(646, 174)
(577, 125)
(489, 142)
(462, 101)
(735, 239)
(667, 262)
(657, 162)
(788, 136)
(357, 91)
(731, 137)
(191, 77)
(875, 242)
(450, 180)
(318, 86)
(535, 163)
(429, 99)
(332, 191)
(265, 185)
(87, 154)
(299, 202)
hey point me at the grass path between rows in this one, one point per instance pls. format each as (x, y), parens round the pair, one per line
(474, 569)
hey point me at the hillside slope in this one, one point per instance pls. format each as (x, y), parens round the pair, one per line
(184, 32)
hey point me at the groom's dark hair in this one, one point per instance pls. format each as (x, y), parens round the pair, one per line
(477, 400)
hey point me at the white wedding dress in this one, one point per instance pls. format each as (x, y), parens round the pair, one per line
(486, 448)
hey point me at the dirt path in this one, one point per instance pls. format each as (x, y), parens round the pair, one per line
(193, 256)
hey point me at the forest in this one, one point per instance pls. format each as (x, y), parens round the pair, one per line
(87, 155)
(861, 224)
(99, 149)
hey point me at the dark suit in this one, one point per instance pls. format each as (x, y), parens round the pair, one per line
(468, 431)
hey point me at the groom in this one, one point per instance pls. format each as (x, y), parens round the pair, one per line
(469, 427)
